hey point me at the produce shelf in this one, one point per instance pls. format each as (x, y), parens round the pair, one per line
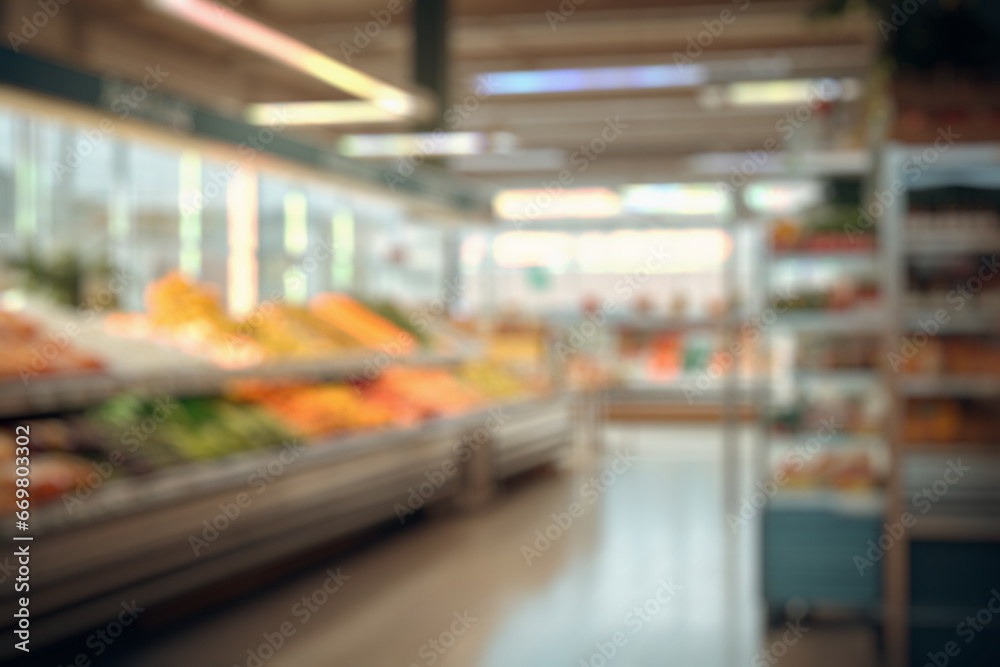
(62, 393)
(134, 538)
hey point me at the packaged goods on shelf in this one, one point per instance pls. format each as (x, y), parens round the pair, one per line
(955, 355)
(835, 470)
(822, 230)
(950, 422)
(818, 351)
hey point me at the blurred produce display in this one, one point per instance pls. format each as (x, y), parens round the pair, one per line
(166, 431)
(130, 435)
(371, 329)
(190, 316)
(396, 316)
(52, 474)
(491, 380)
(26, 350)
(318, 409)
(433, 391)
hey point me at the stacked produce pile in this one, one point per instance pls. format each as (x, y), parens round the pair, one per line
(434, 392)
(164, 432)
(283, 330)
(130, 435)
(190, 316)
(57, 463)
(371, 329)
(26, 350)
(491, 380)
(318, 409)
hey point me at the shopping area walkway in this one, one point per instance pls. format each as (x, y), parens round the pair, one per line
(643, 572)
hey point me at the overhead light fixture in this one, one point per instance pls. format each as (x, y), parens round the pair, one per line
(788, 91)
(346, 112)
(541, 204)
(424, 143)
(675, 199)
(223, 22)
(598, 78)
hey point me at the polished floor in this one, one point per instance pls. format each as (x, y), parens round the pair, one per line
(613, 562)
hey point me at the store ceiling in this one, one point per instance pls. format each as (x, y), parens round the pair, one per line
(769, 40)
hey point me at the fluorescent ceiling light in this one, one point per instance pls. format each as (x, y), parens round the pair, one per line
(421, 143)
(346, 112)
(223, 22)
(790, 91)
(599, 78)
(585, 203)
(675, 199)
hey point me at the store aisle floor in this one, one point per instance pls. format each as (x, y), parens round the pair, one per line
(639, 576)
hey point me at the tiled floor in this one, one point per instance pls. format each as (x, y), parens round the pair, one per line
(647, 574)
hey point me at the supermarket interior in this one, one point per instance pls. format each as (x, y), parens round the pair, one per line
(469, 333)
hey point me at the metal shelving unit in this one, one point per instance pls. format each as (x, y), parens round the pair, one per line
(811, 534)
(934, 570)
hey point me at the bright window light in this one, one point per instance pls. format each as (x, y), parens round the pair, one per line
(692, 199)
(241, 212)
(426, 143)
(621, 251)
(782, 196)
(598, 78)
(586, 203)
(518, 250)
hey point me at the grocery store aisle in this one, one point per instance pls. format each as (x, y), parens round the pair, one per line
(626, 561)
